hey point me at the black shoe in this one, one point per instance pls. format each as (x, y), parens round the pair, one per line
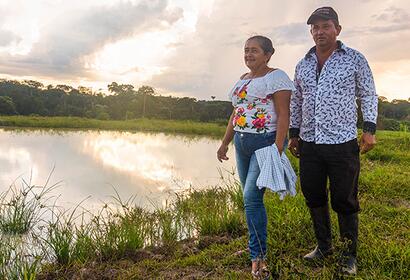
(348, 265)
(349, 229)
(321, 224)
(318, 254)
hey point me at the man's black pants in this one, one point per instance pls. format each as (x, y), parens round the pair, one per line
(338, 162)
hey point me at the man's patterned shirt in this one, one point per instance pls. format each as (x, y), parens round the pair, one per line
(323, 108)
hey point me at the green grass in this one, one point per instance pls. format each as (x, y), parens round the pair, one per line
(22, 208)
(15, 262)
(151, 125)
(197, 236)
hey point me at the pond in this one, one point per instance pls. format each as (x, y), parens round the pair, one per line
(91, 164)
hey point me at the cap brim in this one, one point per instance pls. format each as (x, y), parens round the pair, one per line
(312, 18)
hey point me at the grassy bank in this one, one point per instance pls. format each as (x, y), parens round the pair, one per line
(151, 125)
(202, 234)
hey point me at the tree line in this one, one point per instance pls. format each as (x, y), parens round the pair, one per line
(127, 102)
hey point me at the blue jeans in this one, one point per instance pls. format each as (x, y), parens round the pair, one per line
(248, 169)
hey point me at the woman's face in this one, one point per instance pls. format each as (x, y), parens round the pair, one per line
(254, 55)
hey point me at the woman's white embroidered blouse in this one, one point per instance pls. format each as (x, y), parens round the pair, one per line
(253, 102)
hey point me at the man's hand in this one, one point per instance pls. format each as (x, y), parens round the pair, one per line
(221, 153)
(294, 146)
(367, 142)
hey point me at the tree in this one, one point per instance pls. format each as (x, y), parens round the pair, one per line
(7, 106)
(85, 90)
(33, 84)
(117, 89)
(101, 112)
(31, 97)
(64, 88)
(145, 91)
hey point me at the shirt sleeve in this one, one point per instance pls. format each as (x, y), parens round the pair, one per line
(279, 81)
(231, 92)
(230, 95)
(366, 91)
(296, 101)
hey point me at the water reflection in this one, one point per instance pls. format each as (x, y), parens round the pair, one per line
(93, 162)
(139, 156)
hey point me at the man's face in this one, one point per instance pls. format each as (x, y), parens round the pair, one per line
(324, 32)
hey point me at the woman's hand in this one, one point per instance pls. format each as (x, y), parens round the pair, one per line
(221, 153)
(280, 148)
(281, 100)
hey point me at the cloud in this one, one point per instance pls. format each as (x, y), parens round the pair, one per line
(385, 36)
(80, 32)
(391, 20)
(387, 21)
(290, 34)
(8, 38)
(209, 60)
(195, 51)
(393, 15)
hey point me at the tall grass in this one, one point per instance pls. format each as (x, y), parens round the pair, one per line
(23, 207)
(215, 214)
(16, 262)
(168, 227)
(151, 125)
(118, 230)
(118, 235)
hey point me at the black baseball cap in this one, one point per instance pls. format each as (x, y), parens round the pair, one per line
(323, 13)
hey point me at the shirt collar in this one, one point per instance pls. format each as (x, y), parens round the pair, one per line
(340, 47)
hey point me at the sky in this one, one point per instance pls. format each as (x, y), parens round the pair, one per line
(189, 47)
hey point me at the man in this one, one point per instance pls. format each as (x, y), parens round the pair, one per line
(323, 132)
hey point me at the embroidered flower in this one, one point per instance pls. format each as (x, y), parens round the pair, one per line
(258, 123)
(239, 119)
(235, 119)
(243, 93)
(241, 122)
(260, 120)
(264, 100)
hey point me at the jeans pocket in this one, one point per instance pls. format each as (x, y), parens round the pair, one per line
(269, 138)
(265, 139)
(268, 135)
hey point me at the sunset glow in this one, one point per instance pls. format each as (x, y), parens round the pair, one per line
(188, 48)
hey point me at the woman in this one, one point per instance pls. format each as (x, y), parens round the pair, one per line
(259, 119)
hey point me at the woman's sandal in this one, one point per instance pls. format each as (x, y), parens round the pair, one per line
(264, 273)
(256, 275)
(261, 274)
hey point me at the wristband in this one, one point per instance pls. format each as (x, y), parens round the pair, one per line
(369, 127)
(293, 132)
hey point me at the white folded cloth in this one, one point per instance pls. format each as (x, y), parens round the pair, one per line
(276, 172)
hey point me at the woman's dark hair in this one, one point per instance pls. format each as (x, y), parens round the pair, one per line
(264, 42)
